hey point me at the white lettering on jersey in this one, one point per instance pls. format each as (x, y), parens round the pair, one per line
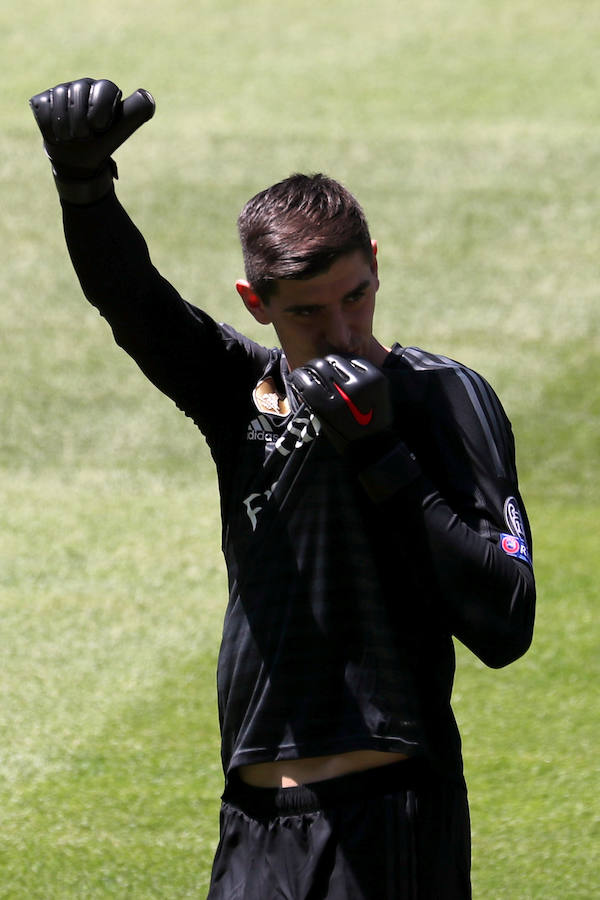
(305, 429)
(299, 431)
(253, 511)
(260, 429)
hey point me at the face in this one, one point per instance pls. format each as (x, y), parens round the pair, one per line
(329, 313)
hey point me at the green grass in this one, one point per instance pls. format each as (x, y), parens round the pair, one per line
(530, 733)
(470, 133)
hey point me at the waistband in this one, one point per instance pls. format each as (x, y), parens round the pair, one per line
(260, 802)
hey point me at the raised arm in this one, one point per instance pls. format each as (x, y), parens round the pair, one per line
(177, 346)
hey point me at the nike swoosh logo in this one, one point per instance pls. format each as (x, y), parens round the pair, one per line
(361, 418)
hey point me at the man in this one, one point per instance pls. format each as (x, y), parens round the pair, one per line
(370, 512)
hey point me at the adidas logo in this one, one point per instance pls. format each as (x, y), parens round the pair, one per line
(260, 429)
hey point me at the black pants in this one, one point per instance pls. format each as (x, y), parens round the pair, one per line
(394, 833)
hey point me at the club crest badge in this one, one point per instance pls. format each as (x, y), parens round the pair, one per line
(267, 398)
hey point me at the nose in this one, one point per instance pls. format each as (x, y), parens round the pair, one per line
(338, 334)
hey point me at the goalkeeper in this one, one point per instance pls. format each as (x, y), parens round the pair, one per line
(370, 511)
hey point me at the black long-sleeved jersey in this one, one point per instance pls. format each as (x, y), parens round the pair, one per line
(338, 632)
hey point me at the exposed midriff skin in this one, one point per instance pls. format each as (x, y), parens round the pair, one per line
(293, 772)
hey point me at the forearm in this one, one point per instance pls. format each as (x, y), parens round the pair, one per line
(149, 319)
(488, 597)
(108, 253)
(482, 596)
(176, 345)
(82, 123)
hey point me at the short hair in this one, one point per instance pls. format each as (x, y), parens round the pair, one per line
(297, 228)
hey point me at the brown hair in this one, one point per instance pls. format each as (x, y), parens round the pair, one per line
(297, 228)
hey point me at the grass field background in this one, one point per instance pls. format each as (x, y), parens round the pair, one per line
(470, 132)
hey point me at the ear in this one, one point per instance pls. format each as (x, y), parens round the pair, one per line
(252, 302)
(374, 262)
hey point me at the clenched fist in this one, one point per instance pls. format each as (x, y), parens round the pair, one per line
(350, 397)
(82, 123)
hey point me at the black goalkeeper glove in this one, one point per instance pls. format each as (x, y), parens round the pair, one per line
(351, 399)
(82, 123)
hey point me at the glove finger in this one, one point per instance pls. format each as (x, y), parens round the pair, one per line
(78, 107)
(59, 118)
(103, 104)
(42, 111)
(340, 368)
(349, 369)
(318, 374)
(301, 380)
(323, 369)
(136, 109)
(311, 386)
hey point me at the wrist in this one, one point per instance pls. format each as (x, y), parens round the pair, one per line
(383, 464)
(81, 188)
(367, 451)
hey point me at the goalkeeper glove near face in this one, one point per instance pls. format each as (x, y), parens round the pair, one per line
(350, 397)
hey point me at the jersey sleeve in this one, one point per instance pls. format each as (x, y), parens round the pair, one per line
(455, 499)
(204, 367)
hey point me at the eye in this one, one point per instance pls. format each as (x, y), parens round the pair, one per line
(305, 312)
(356, 297)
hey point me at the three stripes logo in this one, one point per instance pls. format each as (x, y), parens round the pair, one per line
(260, 429)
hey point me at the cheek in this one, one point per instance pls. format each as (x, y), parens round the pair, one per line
(298, 341)
(363, 319)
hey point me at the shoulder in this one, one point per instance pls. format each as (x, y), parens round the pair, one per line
(237, 347)
(459, 397)
(447, 375)
(419, 360)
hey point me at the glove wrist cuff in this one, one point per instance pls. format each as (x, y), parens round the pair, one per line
(87, 189)
(394, 470)
(363, 453)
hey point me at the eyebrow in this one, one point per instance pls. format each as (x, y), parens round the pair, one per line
(299, 307)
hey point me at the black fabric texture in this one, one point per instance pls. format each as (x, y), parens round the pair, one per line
(338, 633)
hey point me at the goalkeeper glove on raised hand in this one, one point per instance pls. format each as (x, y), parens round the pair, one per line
(82, 123)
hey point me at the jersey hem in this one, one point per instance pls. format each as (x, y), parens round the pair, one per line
(256, 755)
